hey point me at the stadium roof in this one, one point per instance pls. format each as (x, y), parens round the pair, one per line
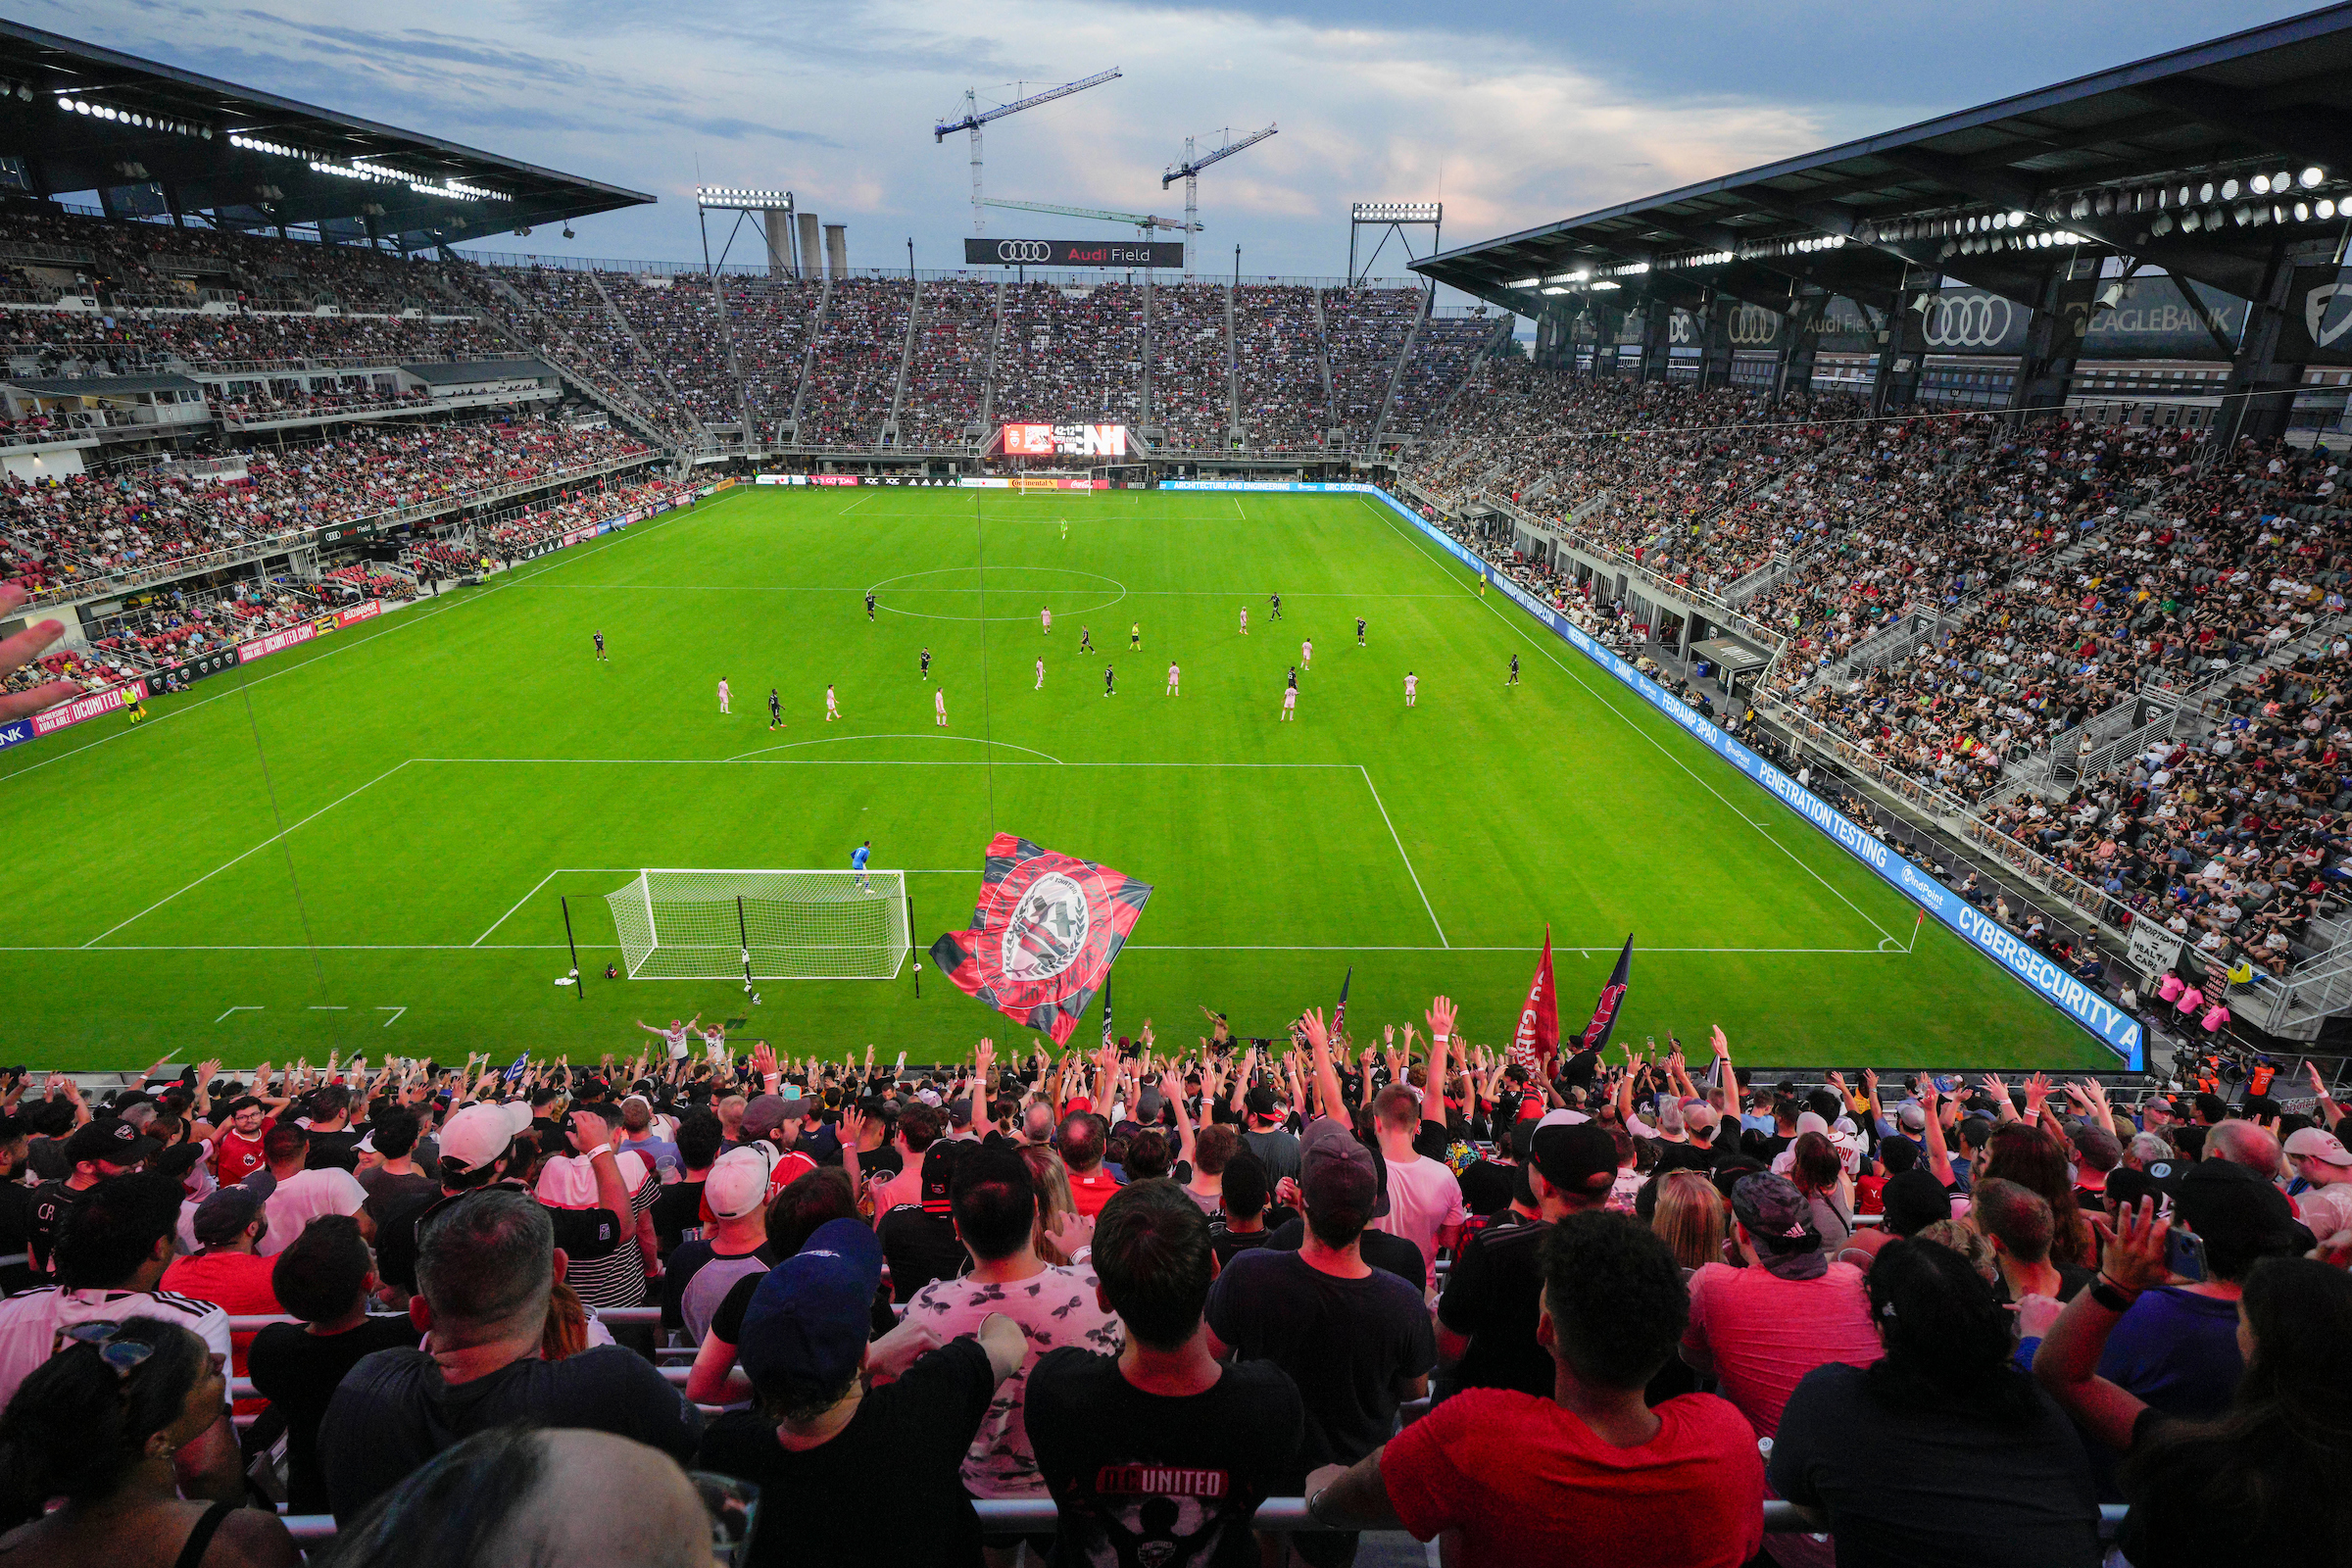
(256, 159)
(2098, 161)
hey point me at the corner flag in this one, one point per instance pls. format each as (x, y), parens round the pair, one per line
(1604, 1011)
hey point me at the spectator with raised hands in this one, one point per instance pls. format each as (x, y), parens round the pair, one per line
(2255, 1480)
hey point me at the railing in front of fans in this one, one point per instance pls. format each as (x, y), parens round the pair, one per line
(279, 543)
(1009, 1514)
(1713, 606)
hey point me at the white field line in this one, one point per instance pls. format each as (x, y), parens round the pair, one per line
(1400, 855)
(225, 865)
(401, 620)
(1578, 677)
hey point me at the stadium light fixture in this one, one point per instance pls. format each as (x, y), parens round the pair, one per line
(740, 199)
(1524, 282)
(1397, 212)
(2313, 175)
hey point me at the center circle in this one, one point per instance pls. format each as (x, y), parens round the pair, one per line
(1098, 591)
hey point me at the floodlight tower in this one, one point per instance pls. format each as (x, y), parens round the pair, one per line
(974, 117)
(1190, 172)
(743, 202)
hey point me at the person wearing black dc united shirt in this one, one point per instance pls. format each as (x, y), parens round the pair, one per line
(1161, 1453)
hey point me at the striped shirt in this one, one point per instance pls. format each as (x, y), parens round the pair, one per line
(616, 1278)
(31, 1324)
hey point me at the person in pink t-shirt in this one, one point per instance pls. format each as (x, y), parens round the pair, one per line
(1760, 1328)
(1425, 1201)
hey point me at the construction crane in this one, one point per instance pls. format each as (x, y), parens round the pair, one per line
(974, 117)
(1190, 172)
(1142, 220)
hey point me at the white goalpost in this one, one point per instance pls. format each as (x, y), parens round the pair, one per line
(682, 924)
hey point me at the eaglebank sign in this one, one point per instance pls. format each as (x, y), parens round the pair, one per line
(1065, 440)
(2114, 1028)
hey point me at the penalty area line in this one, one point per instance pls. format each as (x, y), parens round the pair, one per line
(1425, 905)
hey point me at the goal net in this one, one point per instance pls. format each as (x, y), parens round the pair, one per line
(780, 925)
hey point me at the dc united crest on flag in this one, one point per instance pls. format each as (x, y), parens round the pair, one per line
(1043, 934)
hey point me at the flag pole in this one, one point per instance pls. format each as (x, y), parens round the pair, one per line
(1915, 925)
(576, 949)
(913, 950)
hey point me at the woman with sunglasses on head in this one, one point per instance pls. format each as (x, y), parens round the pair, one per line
(97, 1425)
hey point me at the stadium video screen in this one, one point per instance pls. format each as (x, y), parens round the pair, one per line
(1065, 440)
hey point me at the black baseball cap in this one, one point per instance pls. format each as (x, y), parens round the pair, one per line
(110, 1138)
(1577, 1159)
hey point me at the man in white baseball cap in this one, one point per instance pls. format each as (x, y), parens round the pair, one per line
(2322, 1184)
(733, 1242)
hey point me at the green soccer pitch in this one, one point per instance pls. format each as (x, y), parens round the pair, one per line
(361, 844)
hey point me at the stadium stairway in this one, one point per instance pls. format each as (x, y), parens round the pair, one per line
(628, 331)
(1405, 357)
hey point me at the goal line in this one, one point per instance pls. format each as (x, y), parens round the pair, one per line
(706, 924)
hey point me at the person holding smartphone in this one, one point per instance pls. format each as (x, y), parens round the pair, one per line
(2172, 1345)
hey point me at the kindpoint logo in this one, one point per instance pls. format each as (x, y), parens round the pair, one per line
(16, 734)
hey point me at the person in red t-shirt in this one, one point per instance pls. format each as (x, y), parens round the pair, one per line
(237, 1152)
(1083, 1140)
(229, 1224)
(1591, 1475)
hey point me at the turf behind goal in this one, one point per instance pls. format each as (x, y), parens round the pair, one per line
(761, 925)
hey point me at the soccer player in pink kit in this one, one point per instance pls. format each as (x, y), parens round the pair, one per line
(1041, 677)
(938, 705)
(1173, 674)
(1244, 620)
(1413, 685)
(1045, 619)
(1307, 653)
(1290, 702)
(832, 707)
(722, 693)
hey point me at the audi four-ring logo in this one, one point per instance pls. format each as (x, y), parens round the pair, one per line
(1970, 322)
(1023, 250)
(1752, 325)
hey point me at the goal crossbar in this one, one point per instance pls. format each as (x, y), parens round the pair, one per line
(704, 923)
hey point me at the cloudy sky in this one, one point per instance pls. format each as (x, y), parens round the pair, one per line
(1514, 111)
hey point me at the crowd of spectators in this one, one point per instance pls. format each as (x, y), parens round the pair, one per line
(946, 379)
(1190, 389)
(1591, 1308)
(541, 522)
(150, 342)
(854, 374)
(61, 532)
(566, 314)
(1070, 355)
(1284, 388)
(1441, 363)
(1364, 331)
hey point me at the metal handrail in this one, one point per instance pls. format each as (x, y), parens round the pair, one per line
(1286, 1515)
(278, 543)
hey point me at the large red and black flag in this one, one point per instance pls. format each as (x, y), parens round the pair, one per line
(1538, 1039)
(1604, 1011)
(1043, 934)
